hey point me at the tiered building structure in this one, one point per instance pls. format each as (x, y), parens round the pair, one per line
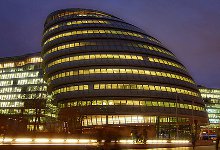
(103, 72)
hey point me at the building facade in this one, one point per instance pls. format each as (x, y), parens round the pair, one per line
(23, 93)
(211, 97)
(105, 72)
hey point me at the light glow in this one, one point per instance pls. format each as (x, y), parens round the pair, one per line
(23, 140)
(60, 141)
(57, 140)
(179, 141)
(94, 141)
(84, 140)
(41, 140)
(156, 141)
(71, 141)
(126, 141)
(7, 140)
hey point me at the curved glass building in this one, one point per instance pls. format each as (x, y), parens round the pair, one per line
(105, 72)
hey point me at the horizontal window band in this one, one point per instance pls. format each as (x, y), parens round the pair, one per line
(120, 71)
(166, 62)
(144, 87)
(126, 87)
(71, 88)
(131, 103)
(69, 23)
(130, 44)
(80, 32)
(29, 60)
(80, 13)
(27, 96)
(114, 56)
(95, 56)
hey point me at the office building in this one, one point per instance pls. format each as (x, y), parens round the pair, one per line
(103, 72)
(23, 93)
(211, 97)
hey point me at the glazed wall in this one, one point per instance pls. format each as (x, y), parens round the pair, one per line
(98, 64)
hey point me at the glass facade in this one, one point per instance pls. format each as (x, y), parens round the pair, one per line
(102, 71)
(23, 92)
(211, 97)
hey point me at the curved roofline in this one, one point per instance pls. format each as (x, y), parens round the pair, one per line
(76, 9)
(82, 9)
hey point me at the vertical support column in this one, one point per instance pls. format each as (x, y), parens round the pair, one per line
(106, 119)
(157, 126)
(169, 136)
(196, 129)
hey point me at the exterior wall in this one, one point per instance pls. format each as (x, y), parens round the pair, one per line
(104, 71)
(23, 92)
(211, 97)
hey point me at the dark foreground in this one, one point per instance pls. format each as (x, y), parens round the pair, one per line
(91, 147)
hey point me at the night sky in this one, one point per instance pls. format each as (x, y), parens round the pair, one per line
(190, 29)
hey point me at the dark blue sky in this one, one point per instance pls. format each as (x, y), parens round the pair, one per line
(190, 29)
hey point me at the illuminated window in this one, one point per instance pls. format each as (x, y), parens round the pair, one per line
(121, 71)
(76, 22)
(135, 103)
(70, 88)
(81, 13)
(117, 119)
(95, 56)
(166, 62)
(143, 87)
(131, 44)
(19, 75)
(92, 32)
(21, 63)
